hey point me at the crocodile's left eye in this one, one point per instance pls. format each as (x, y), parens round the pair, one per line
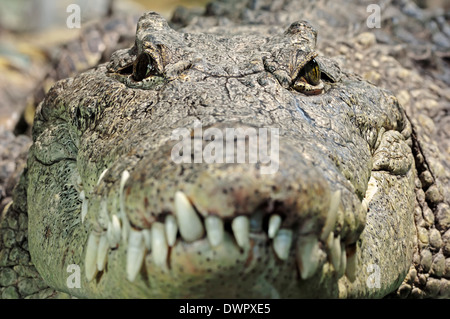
(311, 72)
(143, 67)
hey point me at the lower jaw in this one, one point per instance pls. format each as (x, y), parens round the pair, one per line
(198, 270)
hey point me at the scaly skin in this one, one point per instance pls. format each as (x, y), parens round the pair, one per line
(408, 57)
(94, 122)
(352, 137)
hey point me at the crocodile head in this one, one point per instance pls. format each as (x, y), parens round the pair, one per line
(230, 163)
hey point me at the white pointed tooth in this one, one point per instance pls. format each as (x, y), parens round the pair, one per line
(90, 262)
(274, 225)
(214, 230)
(135, 254)
(334, 250)
(84, 210)
(241, 228)
(102, 253)
(332, 214)
(122, 214)
(352, 263)
(159, 245)
(102, 175)
(114, 232)
(189, 223)
(147, 233)
(343, 263)
(307, 255)
(171, 229)
(282, 243)
(123, 180)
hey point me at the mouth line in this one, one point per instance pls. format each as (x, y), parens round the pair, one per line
(187, 228)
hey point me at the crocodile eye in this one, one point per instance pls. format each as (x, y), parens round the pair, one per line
(311, 72)
(143, 67)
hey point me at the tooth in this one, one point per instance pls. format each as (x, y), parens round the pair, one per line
(84, 210)
(352, 263)
(101, 176)
(84, 206)
(90, 262)
(123, 180)
(214, 230)
(171, 229)
(241, 226)
(282, 243)
(135, 254)
(334, 246)
(102, 253)
(159, 245)
(332, 214)
(147, 233)
(274, 225)
(307, 255)
(123, 216)
(189, 222)
(343, 263)
(113, 233)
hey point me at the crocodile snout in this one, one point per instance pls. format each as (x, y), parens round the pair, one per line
(188, 217)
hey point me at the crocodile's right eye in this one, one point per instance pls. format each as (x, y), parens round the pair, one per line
(143, 67)
(311, 72)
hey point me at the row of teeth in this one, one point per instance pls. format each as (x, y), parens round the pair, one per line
(187, 222)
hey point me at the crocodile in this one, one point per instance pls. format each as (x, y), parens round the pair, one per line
(339, 210)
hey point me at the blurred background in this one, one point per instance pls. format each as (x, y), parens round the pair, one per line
(39, 15)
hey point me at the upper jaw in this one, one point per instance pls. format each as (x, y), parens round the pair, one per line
(293, 220)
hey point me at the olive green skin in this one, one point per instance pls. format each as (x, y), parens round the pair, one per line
(349, 134)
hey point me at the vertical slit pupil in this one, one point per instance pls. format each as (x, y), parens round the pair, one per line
(311, 72)
(142, 66)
